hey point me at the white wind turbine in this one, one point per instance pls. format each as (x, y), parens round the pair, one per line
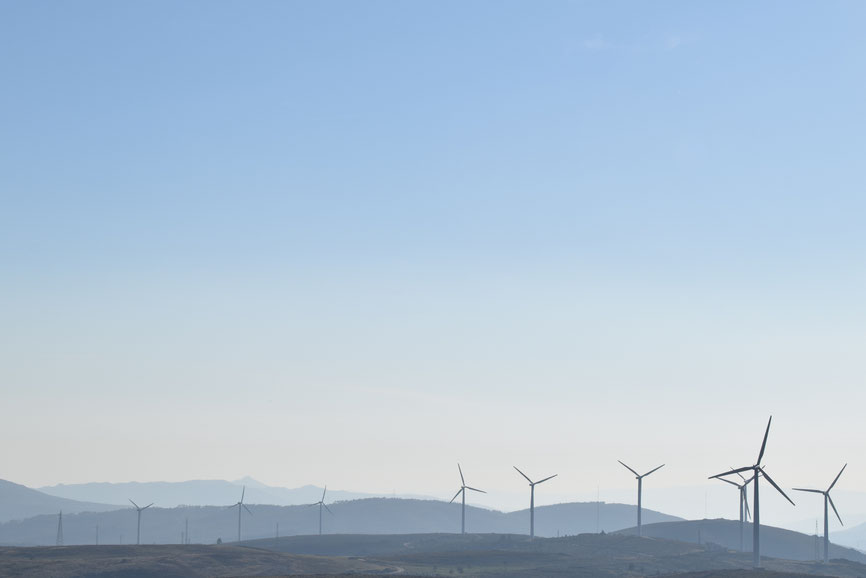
(240, 505)
(744, 504)
(827, 500)
(321, 504)
(756, 505)
(532, 500)
(139, 510)
(640, 491)
(462, 490)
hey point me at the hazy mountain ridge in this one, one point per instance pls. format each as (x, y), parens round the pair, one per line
(854, 537)
(19, 502)
(367, 516)
(198, 493)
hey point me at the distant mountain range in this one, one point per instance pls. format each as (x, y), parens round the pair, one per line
(854, 537)
(775, 542)
(18, 502)
(198, 493)
(207, 524)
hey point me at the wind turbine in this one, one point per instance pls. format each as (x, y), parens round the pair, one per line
(462, 490)
(758, 472)
(240, 505)
(321, 504)
(139, 510)
(639, 479)
(532, 500)
(827, 500)
(744, 503)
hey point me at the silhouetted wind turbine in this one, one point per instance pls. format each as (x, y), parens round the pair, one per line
(758, 471)
(639, 479)
(240, 505)
(462, 490)
(827, 500)
(139, 510)
(321, 504)
(744, 504)
(532, 500)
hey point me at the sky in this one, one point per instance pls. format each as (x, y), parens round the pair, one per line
(355, 243)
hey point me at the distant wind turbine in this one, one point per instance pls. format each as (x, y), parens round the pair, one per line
(758, 472)
(744, 504)
(321, 504)
(240, 505)
(827, 500)
(462, 490)
(640, 492)
(139, 510)
(532, 500)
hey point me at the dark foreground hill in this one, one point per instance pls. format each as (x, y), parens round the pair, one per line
(775, 542)
(488, 555)
(368, 516)
(170, 562)
(19, 502)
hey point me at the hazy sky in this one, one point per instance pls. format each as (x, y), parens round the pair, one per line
(355, 242)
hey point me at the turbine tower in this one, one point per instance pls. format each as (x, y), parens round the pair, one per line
(758, 472)
(462, 490)
(59, 540)
(321, 504)
(532, 500)
(827, 500)
(744, 505)
(639, 479)
(139, 510)
(240, 505)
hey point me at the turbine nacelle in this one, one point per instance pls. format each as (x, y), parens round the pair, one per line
(531, 483)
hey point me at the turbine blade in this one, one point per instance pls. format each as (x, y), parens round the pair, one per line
(243, 491)
(837, 477)
(746, 503)
(522, 474)
(629, 469)
(133, 503)
(323, 492)
(308, 505)
(775, 485)
(806, 490)
(459, 469)
(147, 506)
(736, 471)
(739, 474)
(834, 509)
(729, 482)
(329, 510)
(764, 445)
(476, 489)
(545, 479)
(651, 471)
(455, 496)
(250, 512)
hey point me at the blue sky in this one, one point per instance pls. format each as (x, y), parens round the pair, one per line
(413, 233)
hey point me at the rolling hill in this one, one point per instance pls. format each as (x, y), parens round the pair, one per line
(368, 516)
(775, 542)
